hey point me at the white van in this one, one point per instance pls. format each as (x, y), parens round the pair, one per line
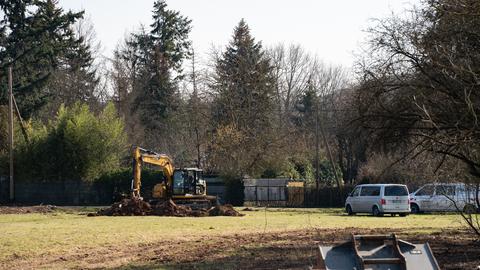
(443, 197)
(378, 199)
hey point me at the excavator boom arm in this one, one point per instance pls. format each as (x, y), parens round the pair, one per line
(141, 156)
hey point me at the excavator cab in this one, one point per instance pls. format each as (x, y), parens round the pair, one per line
(188, 181)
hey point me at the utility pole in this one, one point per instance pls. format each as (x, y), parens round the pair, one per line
(330, 157)
(319, 125)
(195, 104)
(10, 134)
(317, 140)
(317, 149)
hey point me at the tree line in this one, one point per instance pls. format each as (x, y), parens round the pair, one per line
(408, 112)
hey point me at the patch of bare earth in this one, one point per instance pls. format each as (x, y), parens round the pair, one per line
(280, 250)
(43, 209)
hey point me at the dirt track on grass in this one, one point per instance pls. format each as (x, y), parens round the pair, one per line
(289, 249)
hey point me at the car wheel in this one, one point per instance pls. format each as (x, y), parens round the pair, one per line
(376, 212)
(403, 214)
(469, 209)
(349, 210)
(414, 208)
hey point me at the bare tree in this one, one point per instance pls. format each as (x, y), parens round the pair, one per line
(77, 78)
(292, 68)
(123, 80)
(421, 82)
(196, 117)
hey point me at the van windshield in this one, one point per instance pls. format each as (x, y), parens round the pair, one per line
(396, 191)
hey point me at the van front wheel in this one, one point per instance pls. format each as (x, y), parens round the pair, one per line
(349, 210)
(414, 208)
(376, 212)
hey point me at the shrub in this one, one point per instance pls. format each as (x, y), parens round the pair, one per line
(77, 145)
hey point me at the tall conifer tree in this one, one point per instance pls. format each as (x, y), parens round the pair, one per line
(161, 53)
(34, 36)
(244, 84)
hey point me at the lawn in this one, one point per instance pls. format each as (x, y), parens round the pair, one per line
(68, 238)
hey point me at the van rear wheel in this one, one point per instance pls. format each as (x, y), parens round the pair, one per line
(376, 212)
(469, 209)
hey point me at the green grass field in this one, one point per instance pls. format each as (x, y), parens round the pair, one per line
(27, 237)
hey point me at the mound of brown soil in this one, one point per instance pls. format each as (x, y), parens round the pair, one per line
(224, 210)
(169, 208)
(136, 207)
(127, 207)
(43, 209)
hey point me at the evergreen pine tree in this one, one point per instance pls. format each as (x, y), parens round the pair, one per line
(34, 34)
(158, 61)
(243, 83)
(243, 107)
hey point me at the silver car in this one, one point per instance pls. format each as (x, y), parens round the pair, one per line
(378, 199)
(443, 197)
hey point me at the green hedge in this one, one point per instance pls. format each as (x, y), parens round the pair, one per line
(119, 182)
(77, 144)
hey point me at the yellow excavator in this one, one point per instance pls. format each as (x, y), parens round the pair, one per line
(183, 185)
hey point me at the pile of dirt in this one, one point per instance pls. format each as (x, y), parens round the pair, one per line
(224, 210)
(42, 209)
(169, 208)
(127, 207)
(137, 207)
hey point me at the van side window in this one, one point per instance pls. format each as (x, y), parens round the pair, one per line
(370, 191)
(446, 190)
(396, 191)
(425, 191)
(356, 192)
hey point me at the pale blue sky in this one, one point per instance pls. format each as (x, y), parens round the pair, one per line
(331, 29)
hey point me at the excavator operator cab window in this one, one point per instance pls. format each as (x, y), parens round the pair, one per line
(189, 181)
(185, 181)
(178, 182)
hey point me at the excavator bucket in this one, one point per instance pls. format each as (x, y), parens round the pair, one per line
(376, 252)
